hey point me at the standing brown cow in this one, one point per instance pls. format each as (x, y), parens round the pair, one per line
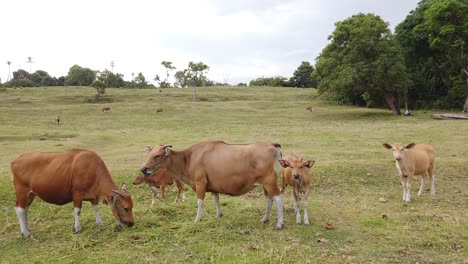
(57, 119)
(296, 174)
(309, 108)
(106, 108)
(217, 167)
(161, 180)
(59, 178)
(159, 110)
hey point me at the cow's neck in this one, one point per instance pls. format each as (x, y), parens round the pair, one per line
(402, 168)
(106, 189)
(179, 166)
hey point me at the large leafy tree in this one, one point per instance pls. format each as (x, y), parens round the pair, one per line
(302, 76)
(42, 78)
(80, 76)
(362, 59)
(434, 39)
(111, 79)
(182, 78)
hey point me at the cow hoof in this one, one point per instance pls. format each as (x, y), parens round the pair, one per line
(264, 221)
(26, 235)
(279, 227)
(77, 230)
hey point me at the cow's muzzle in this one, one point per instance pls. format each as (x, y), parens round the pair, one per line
(128, 223)
(296, 176)
(145, 171)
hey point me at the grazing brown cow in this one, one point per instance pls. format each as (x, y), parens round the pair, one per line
(217, 167)
(59, 178)
(160, 180)
(411, 160)
(159, 110)
(57, 119)
(309, 108)
(106, 108)
(296, 174)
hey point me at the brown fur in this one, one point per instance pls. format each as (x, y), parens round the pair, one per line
(57, 119)
(106, 108)
(309, 108)
(73, 176)
(159, 110)
(161, 180)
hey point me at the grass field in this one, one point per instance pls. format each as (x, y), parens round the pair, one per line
(352, 172)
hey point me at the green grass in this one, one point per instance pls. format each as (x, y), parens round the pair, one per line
(351, 173)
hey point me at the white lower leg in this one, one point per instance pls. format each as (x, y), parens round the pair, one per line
(76, 213)
(266, 216)
(408, 191)
(200, 210)
(96, 215)
(298, 210)
(219, 213)
(306, 215)
(155, 196)
(421, 188)
(279, 205)
(403, 184)
(183, 196)
(21, 213)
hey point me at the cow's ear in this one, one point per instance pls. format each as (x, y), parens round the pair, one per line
(409, 146)
(284, 163)
(124, 187)
(167, 149)
(148, 149)
(387, 146)
(309, 163)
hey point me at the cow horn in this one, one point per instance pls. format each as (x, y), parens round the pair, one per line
(119, 193)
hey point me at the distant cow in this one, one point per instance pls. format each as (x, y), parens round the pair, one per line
(217, 167)
(411, 160)
(57, 119)
(161, 180)
(159, 110)
(309, 108)
(106, 108)
(296, 174)
(59, 178)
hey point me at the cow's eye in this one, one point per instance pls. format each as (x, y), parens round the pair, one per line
(126, 209)
(301, 167)
(157, 156)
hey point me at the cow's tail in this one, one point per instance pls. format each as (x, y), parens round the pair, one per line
(279, 156)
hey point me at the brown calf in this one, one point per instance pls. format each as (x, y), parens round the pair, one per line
(217, 167)
(159, 110)
(57, 119)
(106, 108)
(161, 180)
(412, 160)
(296, 174)
(309, 108)
(59, 178)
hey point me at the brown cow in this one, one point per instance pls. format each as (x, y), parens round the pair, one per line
(106, 108)
(296, 174)
(217, 167)
(160, 180)
(159, 110)
(412, 160)
(59, 178)
(57, 119)
(309, 108)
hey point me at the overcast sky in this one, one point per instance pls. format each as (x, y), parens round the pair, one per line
(239, 39)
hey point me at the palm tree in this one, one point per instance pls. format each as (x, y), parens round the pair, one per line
(9, 72)
(30, 63)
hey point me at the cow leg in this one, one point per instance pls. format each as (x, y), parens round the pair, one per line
(306, 215)
(403, 184)
(273, 194)
(163, 192)
(421, 188)
(283, 182)
(180, 187)
(219, 213)
(22, 205)
(200, 188)
(269, 203)
(76, 212)
(154, 190)
(297, 208)
(408, 188)
(95, 205)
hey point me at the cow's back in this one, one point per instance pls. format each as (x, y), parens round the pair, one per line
(54, 176)
(422, 157)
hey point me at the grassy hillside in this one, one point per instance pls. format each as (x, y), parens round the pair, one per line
(351, 173)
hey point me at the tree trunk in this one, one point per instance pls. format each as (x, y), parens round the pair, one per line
(391, 103)
(465, 108)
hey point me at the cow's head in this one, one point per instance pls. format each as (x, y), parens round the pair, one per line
(122, 205)
(398, 149)
(157, 160)
(298, 166)
(139, 180)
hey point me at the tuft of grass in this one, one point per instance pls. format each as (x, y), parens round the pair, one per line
(351, 173)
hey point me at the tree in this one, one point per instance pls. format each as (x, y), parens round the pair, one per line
(362, 58)
(111, 79)
(169, 67)
(302, 77)
(42, 78)
(9, 70)
(140, 80)
(30, 63)
(182, 78)
(277, 81)
(100, 88)
(434, 40)
(80, 76)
